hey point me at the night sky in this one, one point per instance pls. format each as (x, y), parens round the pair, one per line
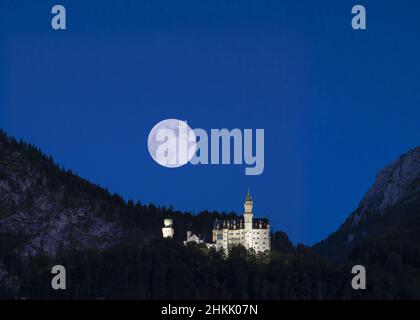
(336, 104)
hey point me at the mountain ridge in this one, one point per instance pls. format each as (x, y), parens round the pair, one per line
(396, 181)
(394, 188)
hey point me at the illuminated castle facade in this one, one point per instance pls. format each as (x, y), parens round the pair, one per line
(248, 231)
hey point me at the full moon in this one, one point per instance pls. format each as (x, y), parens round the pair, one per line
(172, 143)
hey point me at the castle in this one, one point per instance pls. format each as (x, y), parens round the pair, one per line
(248, 231)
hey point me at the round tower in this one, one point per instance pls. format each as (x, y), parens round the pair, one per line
(167, 230)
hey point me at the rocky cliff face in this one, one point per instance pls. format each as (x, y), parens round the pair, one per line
(45, 214)
(389, 203)
(394, 183)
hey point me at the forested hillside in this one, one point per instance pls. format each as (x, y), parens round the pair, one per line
(113, 248)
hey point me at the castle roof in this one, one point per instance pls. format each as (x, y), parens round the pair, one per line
(233, 224)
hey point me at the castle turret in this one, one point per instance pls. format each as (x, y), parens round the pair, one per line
(167, 230)
(248, 203)
(248, 215)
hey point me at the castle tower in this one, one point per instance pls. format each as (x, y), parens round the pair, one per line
(167, 230)
(248, 217)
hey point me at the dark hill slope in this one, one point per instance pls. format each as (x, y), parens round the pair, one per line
(48, 208)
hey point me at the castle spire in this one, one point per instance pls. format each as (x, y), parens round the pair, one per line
(248, 196)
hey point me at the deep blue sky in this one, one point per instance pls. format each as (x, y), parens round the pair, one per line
(336, 104)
